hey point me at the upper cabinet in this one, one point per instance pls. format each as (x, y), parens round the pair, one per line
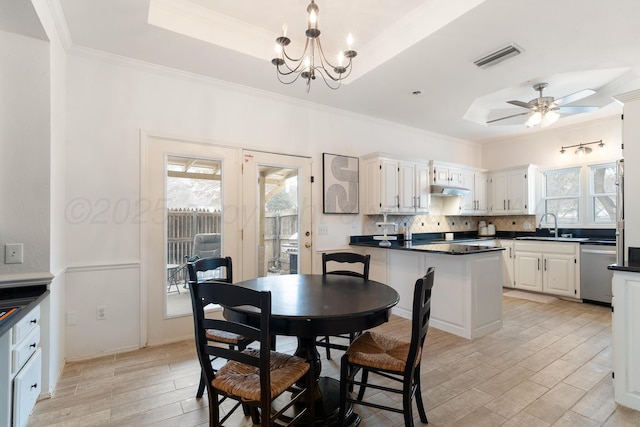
(475, 180)
(474, 203)
(513, 191)
(394, 185)
(445, 174)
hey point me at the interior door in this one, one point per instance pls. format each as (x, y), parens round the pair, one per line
(205, 202)
(276, 214)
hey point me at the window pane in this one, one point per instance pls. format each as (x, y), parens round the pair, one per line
(604, 179)
(565, 182)
(565, 209)
(604, 209)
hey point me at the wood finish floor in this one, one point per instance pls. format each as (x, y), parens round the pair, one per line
(550, 365)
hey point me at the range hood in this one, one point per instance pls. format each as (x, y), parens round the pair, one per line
(448, 190)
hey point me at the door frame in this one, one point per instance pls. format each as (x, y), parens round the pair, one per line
(251, 160)
(151, 208)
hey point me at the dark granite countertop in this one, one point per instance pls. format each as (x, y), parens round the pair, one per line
(631, 267)
(24, 298)
(433, 246)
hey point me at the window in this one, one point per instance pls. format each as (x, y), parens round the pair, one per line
(602, 193)
(562, 194)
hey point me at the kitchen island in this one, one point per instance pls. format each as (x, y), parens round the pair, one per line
(467, 291)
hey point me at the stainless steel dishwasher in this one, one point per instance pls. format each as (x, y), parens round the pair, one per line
(595, 278)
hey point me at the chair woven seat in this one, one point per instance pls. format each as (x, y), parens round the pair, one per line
(223, 337)
(380, 351)
(243, 380)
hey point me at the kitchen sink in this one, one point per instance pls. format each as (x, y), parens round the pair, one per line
(554, 239)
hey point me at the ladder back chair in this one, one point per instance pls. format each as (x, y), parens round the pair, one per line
(203, 266)
(252, 377)
(391, 359)
(343, 258)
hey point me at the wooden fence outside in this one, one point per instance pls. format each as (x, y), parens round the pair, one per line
(184, 224)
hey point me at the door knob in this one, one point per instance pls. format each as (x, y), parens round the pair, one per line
(307, 245)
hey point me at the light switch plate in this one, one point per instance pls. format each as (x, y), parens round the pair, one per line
(323, 229)
(13, 253)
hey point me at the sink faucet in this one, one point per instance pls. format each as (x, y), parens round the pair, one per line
(555, 222)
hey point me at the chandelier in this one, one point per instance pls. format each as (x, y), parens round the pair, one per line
(312, 62)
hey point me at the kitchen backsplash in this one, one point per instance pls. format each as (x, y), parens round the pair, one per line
(441, 223)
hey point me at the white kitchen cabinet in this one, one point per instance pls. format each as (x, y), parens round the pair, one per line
(513, 191)
(393, 185)
(474, 203)
(548, 267)
(508, 263)
(528, 271)
(626, 338)
(21, 375)
(446, 174)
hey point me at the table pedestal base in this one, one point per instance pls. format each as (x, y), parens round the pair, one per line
(328, 405)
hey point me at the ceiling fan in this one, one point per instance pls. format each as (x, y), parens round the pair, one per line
(545, 110)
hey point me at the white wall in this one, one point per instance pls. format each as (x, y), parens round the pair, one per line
(24, 151)
(542, 148)
(109, 101)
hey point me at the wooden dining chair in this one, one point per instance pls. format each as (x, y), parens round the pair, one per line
(253, 377)
(342, 258)
(390, 358)
(198, 273)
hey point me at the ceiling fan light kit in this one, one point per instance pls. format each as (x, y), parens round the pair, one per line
(546, 110)
(583, 148)
(313, 61)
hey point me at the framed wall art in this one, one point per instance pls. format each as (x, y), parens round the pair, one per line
(339, 184)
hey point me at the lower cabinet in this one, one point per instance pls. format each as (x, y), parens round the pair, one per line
(626, 338)
(508, 263)
(21, 374)
(549, 267)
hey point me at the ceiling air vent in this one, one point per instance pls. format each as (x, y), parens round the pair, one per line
(498, 56)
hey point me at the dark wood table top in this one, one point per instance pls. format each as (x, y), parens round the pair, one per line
(313, 305)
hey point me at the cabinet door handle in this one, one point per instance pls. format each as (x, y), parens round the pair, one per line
(33, 345)
(509, 204)
(504, 205)
(34, 321)
(545, 264)
(34, 385)
(510, 253)
(398, 201)
(538, 263)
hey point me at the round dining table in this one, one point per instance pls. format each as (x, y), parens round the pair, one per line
(310, 305)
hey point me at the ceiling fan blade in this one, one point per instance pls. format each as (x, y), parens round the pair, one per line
(522, 104)
(508, 117)
(576, 110)
(574, 97)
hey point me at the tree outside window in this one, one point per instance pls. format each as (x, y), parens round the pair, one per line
(562, 194)
(602, 198)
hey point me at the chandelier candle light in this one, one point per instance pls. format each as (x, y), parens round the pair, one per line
(309, 65)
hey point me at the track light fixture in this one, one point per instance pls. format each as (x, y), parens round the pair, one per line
(583, 148)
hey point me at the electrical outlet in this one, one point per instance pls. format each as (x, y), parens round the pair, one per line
(13, 253)
(101, 313)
